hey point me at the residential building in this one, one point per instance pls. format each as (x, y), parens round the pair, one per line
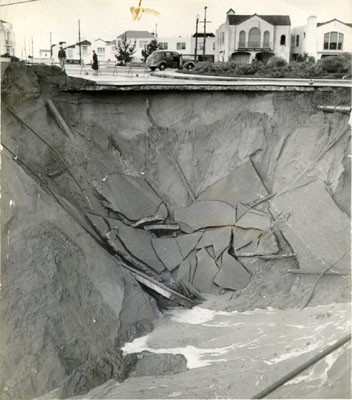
(210, 44)
(245, 37)
(141, 38)
(322, 39)
(7, 38)
(73, 55)
(105, 49)
(181, 44)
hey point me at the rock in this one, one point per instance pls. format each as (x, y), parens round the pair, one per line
(152, 364)
(254, 242)
(139, 243)
(132, 197)
(205, 273)
(317, 230)
(218, 238)
(168, 252)
(187, 243)
(206, 214)
(254, 219)
(232, 274)
(241, 185)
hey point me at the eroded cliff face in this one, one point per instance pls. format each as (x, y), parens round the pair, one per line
(67, 305)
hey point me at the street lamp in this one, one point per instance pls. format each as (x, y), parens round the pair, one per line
(195, 50)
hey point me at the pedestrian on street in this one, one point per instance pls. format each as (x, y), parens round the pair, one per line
(62, 58)
(95, 65)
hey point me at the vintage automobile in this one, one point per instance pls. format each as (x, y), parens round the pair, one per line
(163, 59)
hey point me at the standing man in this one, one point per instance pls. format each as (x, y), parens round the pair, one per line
(62, 58)
(95, 65)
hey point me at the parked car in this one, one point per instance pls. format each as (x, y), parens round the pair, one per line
(168, 59)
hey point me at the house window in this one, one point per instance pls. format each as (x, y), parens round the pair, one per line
(297, 40)
(242, 42)
(254, 38)
(214, 46)
(333, 41)
(181, 45)
(200, 45)
(84, 49)
(163, 45)
(266, 41)
(283, 40)
(304, 35)
(222, 37)
(143, 43)
(101, 50)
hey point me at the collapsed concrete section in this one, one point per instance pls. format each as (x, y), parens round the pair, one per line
(93, 189)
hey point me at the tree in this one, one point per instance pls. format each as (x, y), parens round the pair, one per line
(151, 47)
(125, 50)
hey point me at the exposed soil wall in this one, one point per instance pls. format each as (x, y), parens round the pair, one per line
(66, 303)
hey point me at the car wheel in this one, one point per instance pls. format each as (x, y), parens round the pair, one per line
(162, 67)
(153, 68)
(190, 67)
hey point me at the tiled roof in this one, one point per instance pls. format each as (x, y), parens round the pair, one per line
(199, 34)
(84, 43)
(271, 19)
(137, 35)
(332, 20)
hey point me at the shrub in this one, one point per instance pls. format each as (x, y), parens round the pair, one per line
(276, 62)
(333, 64)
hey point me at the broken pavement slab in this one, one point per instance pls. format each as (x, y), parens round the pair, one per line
(206, 214)
(162, 229)
(187, 268)
(242, 184)
(188, 242)
(138, 243)
(205, 273)
(218, 238)
(133, 197)
(317, 230)
(99, 223)
(168, 252)
(254, 242)
(232, 274)
(254, 219)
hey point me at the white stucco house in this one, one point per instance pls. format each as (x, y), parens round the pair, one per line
(181, 44)
(72, 52)
(245, 37)
(321, 39)
(210, 43)
(7, 38)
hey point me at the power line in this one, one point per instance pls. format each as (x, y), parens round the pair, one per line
(19, 2)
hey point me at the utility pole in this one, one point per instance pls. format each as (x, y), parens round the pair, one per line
(51, 51)
(195, 49)
(156, 31)
(205, 29)
(79, 42)
(32, 49)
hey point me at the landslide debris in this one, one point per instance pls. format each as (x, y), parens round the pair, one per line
(89, 214)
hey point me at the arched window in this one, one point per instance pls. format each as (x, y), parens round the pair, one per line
(242, 42)
(333, 41)
(254, 38)
(283, 40)
(266, 41)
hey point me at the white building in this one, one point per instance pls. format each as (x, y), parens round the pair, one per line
(323, 39)
(141, 38)
(181, 44)
(72, 52)
(7, 38)
(245, 37)
(210, 45)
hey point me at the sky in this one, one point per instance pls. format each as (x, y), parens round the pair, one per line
(107, 19)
